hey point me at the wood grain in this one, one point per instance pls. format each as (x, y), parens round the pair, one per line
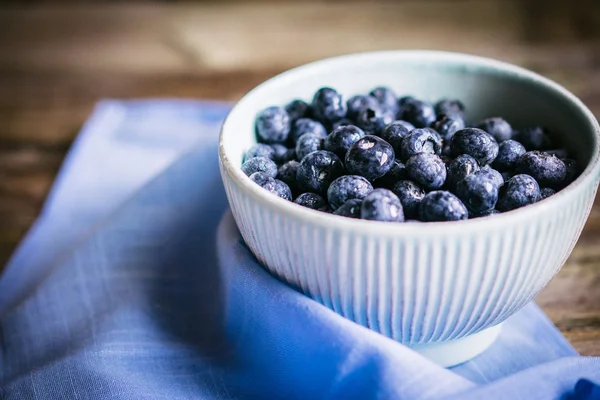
(58, 60)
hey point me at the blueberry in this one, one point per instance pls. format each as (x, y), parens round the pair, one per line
(386, 98)
(297, 109)
(441, 205)
(450, 107)
(395, 174)
(494, 175)
(282, 190)
(341, 122)
(535, 138)
(572, 171)
(287, 173)
(308, 143)
(347, 187)
(342, 138)
(291, 155)
(272, 125)
(546, 169)
(311, 200)
(428, 170)
(317, 170)
(485, 213)
(261, 178)
(446, 151)
(499, 128)
(404, 99)
(402, 102)
(373, 120)
(459, 168)
(370, 157)
(478, 192)
(259, 150)
(509, 152)
(357, 104)
(446, 159)
(547, 192)
(306, 125)
(350, 209)
(519, 191)
(410, 195)
(273, 185)
(419, 113)
(382, 205)
(260, 164)
(506, 176)
(326, 209)
(406, 124)
(328, 105)
(394, 133)
(475, 142)
(424, 140)
(447, 125)
(282, 154)
(560, 153)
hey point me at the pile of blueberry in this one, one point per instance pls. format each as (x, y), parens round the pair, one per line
(380, 157)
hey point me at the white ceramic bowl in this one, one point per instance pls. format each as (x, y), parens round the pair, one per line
(441, 288)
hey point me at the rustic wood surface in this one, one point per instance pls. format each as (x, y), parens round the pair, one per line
(56, 61)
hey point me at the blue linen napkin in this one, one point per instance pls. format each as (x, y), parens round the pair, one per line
(131, 285)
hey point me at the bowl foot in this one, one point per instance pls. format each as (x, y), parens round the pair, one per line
(454, 352)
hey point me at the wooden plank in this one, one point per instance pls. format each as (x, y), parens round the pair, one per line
(164, 37)
(49, 107)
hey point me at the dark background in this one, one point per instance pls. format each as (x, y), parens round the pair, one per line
(57, 59)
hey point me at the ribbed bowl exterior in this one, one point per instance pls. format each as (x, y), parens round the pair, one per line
(418, 283)
(443, 286)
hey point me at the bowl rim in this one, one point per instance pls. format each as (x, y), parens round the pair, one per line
(589, 177)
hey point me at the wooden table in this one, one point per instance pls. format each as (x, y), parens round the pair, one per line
(57, 61)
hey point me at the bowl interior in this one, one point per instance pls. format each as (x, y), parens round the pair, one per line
(487, 88)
